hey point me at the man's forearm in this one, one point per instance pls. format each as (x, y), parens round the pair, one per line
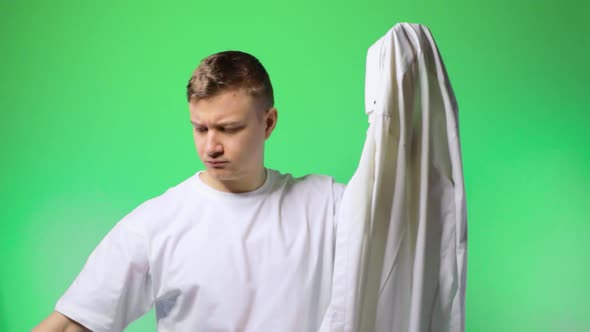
(56, 322)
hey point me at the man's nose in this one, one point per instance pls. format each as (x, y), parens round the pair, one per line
(214, 148)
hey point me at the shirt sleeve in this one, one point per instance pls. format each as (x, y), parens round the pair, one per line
(114, 287)
(337, 191)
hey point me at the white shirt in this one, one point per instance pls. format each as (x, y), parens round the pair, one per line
(215, 261)
(401, 245)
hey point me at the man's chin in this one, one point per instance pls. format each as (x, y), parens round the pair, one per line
(221, 174)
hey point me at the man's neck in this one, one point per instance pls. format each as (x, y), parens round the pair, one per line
(240, 185)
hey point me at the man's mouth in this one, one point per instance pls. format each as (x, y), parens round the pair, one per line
(215, 163)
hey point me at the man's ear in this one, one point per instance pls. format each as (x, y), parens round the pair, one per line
(270, 120)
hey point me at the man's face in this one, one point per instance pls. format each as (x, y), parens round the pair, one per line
(229, 133)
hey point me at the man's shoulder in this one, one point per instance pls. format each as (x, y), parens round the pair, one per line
(162, 207)
(171, 196)
(311, 182)
(311, 192)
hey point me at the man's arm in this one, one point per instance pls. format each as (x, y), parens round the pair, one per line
(56, 322)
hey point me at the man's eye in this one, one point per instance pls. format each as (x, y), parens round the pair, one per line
(229, 130)
(201, 129)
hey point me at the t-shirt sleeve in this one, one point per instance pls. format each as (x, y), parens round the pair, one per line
(114, 287)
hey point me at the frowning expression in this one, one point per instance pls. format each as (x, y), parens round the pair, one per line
(229, 133)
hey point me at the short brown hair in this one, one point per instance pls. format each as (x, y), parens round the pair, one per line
(229, 70)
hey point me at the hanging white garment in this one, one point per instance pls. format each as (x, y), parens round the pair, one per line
(401, 243)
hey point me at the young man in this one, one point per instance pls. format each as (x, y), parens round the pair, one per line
(236, 247)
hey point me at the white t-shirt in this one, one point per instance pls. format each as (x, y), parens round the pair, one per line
(215, 261)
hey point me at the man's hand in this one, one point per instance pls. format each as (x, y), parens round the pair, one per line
(56, 322)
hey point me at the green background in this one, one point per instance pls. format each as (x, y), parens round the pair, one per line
(94, 122)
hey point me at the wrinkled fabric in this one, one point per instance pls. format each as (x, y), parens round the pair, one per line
(401, 243)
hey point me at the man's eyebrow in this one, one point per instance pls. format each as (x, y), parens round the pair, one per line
(229, 124)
